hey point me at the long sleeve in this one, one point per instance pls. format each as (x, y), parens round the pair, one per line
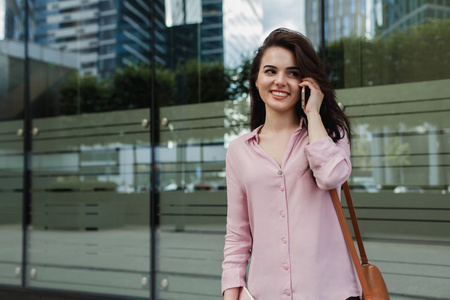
(329, 162)
(280, 217)
(238, 241)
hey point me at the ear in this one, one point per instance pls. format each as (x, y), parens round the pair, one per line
(256, 84)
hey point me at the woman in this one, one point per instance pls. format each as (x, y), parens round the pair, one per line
(280, 211)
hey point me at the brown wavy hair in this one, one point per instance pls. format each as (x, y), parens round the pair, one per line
(333, 117)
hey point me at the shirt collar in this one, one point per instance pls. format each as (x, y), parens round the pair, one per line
(254, 133)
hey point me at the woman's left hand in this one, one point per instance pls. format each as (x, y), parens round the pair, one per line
(314, 102)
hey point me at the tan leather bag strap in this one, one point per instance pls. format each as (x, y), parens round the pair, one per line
(351, 210)
(348, 236)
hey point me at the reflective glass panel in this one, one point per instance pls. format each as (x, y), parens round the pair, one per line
(208, 61)
(389, 85)
(12, 58)
(391, 71)
(90, 95)
(91, 80)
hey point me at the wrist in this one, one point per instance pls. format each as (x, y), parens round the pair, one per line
(313, 114)
(231, 293)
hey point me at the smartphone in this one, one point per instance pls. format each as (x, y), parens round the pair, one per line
(305, 96)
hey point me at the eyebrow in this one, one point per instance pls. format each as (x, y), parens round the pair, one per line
(288, 68)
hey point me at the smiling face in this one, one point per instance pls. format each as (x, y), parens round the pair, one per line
(278, 80)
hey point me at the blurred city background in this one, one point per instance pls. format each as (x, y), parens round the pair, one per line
(115, 117)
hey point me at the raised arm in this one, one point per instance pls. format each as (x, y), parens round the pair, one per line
(329, 161)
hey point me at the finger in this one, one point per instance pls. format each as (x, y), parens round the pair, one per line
(312, 82)
(309, 84)
(309, 80)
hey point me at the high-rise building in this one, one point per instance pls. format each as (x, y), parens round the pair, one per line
(342, 18)
(392, 15)
(196, 30)
(124, 33)
(70, 26)
(106, 34)
(183, 21)
(369, 18)
(213, 30)
(110, 33)
(10, 20)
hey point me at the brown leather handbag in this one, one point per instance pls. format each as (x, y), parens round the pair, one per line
(372, 282)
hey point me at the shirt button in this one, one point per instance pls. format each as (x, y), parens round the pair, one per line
(284, 240)
(287, 292)
(286, 267)
(280, 172)
(281, 188)
(283, 214)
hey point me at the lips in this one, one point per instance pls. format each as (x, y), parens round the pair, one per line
(280, 93)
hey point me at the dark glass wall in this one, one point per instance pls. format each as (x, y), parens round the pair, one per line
(12, 89)
(116, 115)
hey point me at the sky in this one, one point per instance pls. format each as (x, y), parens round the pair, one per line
(283, 13)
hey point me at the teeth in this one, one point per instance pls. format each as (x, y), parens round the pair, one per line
(280, 94)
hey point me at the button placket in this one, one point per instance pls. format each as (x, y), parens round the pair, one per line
(284, 240)
(281, 186)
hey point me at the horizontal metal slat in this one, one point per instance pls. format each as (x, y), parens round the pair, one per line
(394, 93)
(103, 142)
(405, 230)
(396, 108)
(90, 280)
(187, 287)
(92, 120)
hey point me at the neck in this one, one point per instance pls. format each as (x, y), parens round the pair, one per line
(277, 122)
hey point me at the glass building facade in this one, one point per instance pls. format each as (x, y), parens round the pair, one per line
(115, 118)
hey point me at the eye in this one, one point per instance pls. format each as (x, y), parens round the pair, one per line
(269, 71)
(294, 73)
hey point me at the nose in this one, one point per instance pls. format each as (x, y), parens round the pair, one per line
(279, 79)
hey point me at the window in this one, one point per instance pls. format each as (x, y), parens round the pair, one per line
(314, 11)
(330, 9)
(338, 28)
(353, 6)
(346, 26)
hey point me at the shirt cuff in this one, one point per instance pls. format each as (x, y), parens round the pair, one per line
(320, 149)
(233, 278)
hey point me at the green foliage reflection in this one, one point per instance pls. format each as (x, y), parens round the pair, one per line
(130, 87)
(418, 53)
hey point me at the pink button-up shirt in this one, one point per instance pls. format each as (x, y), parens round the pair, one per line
(284, 219)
